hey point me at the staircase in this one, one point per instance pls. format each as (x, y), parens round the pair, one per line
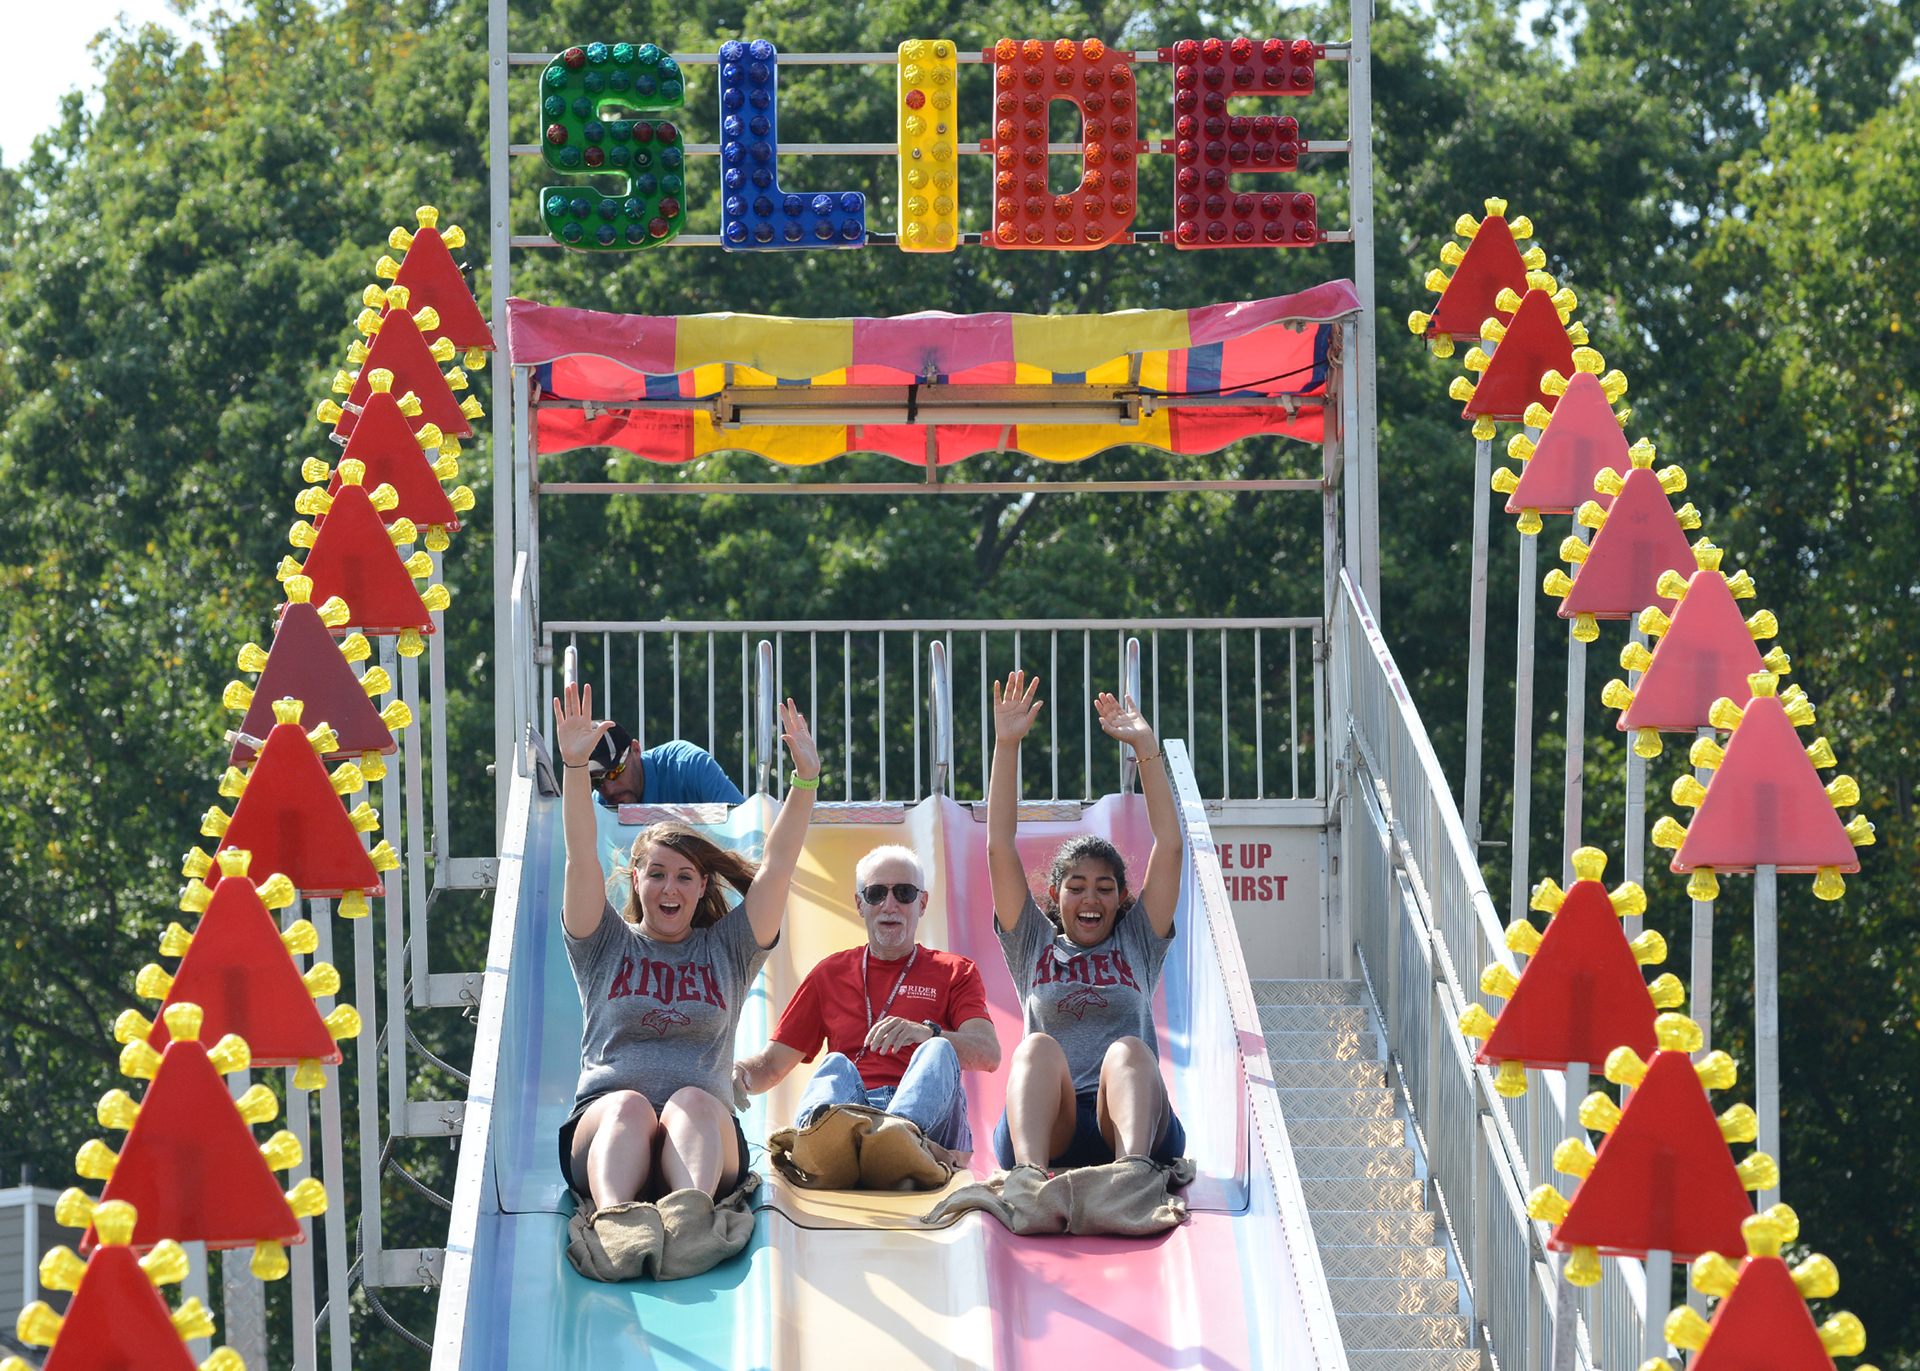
(1397, 1308)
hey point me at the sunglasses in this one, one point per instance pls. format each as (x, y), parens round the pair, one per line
(905, 892)
(609, 775)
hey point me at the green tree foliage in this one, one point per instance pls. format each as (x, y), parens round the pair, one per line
(178, 274)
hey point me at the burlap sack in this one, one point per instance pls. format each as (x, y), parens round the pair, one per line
(682, 1235)
(854, 1147)
(1132, 1197)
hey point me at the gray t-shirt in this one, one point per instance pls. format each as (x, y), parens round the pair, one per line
(1086, 998)
(660, 1016)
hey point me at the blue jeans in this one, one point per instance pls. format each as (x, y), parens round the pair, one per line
(929, 1093)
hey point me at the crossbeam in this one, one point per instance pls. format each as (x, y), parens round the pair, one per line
(915, 488)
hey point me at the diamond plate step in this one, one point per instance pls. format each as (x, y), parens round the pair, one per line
(1289, 1046)
(1295, 1018)
(1354, 1296)
(1351, 1228)
(1351, 1192)
(1375, 1163)
(1392, 1332)
(1415, 1359)
(1329, 1075)
(1309, 992)
(1305, 1133)
(1385, 1263)
(1335, 1104)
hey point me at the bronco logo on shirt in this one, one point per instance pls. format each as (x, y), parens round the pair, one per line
(661, 1020)
(1078, 1002)
(666, 983)
(1102, 968)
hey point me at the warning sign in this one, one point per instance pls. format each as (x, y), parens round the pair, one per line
(1273, 882)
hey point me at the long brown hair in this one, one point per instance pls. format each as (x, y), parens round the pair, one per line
(709, 858)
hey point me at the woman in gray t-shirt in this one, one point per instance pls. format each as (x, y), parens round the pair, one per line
(1085, 1084)
(662, 980)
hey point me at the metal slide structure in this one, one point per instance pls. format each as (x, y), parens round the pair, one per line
(853, 1277)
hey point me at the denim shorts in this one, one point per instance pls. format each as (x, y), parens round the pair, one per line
(1087, 1147)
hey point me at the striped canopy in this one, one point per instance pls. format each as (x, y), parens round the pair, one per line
(588, 363)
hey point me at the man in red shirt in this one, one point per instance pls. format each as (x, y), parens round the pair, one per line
(900, 1021)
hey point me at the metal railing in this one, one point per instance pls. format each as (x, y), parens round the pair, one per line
(1254, 683)
(1419, 920)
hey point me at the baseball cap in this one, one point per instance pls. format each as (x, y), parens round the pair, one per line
(609, 755)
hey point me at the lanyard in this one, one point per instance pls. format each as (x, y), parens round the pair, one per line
(866, 995)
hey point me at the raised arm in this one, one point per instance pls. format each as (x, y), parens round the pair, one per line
(1015, 707)
(1160, 891)
(766, 903)
(575, 734)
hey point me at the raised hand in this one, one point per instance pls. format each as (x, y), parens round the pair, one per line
(1125, 723)
(575, 732)
(799, 740)
(1015, 706)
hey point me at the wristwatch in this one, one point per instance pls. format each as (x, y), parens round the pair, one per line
(932, 1028)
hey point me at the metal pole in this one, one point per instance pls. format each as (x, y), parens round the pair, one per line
(1566, 1301)
(1477, 639)
(333, 1159)
(1364, 445)
(846, 708)
(1523, 727)
(1766, 1017)
(1653, 1337)
(1576, 740)
(916, 710)
(881, 730)
(1053, 715)
(1702, 966)
(1635, 846)
(500, 281)
(1259, 723)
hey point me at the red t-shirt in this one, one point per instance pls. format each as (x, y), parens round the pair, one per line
(943, 986)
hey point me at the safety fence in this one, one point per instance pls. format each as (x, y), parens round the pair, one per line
(1417, 911)
(1243, 689)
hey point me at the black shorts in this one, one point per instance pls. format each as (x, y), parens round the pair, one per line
(1087, 1147)
(573, 1122)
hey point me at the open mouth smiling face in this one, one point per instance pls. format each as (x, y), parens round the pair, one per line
(1089, 899)
(670, 888)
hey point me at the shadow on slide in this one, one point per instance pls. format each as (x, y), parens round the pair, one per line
(837, 1280)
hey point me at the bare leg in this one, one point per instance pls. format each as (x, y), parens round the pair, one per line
(1132, 1098)
(613, 1147)
(699, 1151)
(1040, 1104)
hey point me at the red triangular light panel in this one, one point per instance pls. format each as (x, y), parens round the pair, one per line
(1536, 343)
(305, 664)
(431, 277)
(292, 821)
(1664, 1181)
(1706, 654)
(1583, 437)
(353, 558)
(1581, 995)
(1640, 540)
(1490, 265)
(399, 348)
(385, 441)
(1763, 1324)
(191, 1166)
(1765, 804)
(117, 1320)
(244, 980)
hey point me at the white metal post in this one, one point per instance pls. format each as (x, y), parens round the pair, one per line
(1523, 729)
(1766, 1016)
(1635, 847)
(1477, 639)
(1576, 739)
(1566, 1302)
(1363, 442)
(500, 280)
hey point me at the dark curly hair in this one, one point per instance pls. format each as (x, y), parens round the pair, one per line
(1072, 853)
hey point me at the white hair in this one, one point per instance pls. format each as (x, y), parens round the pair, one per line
(889, 852)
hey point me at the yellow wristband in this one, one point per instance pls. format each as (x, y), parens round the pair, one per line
(795, 783)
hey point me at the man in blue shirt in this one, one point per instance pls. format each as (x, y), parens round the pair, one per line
(675, 773)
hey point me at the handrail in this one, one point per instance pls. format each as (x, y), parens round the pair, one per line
(472, 1173)
(1130, 675)
(764, 748)
(940, 675)
(1213, 912)
(554, 626)
(523, 693)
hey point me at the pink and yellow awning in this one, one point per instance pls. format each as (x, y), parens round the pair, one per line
(944, 386)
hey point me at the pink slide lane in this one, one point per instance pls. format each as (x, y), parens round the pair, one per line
(1107, 1303)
